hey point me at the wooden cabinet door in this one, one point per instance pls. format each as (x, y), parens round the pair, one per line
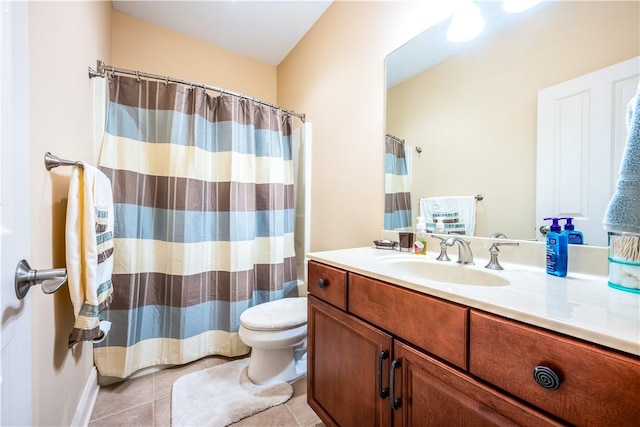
(430, 393)
(348, 367)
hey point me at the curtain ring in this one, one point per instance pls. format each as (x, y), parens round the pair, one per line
(166, 81)
(138, 76)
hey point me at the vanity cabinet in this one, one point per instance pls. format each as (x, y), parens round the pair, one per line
(393, 356)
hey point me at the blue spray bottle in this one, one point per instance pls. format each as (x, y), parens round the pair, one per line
(557, 250)
(574, 237)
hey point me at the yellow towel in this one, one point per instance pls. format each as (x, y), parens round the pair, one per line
(89, 250)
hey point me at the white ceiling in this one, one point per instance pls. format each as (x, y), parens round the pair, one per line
(267, 30)
(432, 46)
(264, 30)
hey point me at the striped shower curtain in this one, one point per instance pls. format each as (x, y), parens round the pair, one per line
(397, 186)
(204, 220)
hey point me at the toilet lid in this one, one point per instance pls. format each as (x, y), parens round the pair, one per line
(276, 315)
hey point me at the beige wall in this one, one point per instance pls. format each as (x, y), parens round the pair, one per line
(474, 115)
(335, 75)
(64, 39)
(139, 45)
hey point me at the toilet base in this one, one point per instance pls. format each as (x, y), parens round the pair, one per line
(270, 366)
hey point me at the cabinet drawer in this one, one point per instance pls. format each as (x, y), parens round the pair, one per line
(597, 387)
(433, 325)
(328, 284)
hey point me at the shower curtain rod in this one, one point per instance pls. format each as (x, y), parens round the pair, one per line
(401, 141)
(102, 68)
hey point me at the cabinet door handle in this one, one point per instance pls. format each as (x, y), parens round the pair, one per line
(546, 377)
(395, 403)
(322, 283)
(382, 392)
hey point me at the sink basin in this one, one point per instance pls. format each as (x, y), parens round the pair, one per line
(448, 272)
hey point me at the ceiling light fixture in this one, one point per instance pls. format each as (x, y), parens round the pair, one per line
(515, 6)
(466, 22)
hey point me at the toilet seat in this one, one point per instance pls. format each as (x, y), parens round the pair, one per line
(279, 315)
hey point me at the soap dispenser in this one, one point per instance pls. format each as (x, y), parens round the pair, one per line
(420, 242)
(574, 237)
(557, 249)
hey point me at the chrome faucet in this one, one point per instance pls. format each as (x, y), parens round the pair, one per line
(494, 251)
(465, 256)
(443, 249)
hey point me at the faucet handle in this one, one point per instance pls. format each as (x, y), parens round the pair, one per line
(496, 244)
(443, 249)
(494, 251)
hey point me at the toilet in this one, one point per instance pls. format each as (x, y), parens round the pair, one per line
(276, 331)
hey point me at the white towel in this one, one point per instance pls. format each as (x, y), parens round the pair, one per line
(89, 250)
(457, 213)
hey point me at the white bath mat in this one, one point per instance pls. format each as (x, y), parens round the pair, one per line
(222, 395)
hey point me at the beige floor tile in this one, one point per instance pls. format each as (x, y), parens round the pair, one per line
(147, 401)
(219, 360)
(121, 396)
(302, 412)
(138, 416)
(300, 387)
(162, 412)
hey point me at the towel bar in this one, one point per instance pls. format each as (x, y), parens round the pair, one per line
(26, 277)
(51, 161)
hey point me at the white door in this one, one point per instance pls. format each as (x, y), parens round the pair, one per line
(581, 138)
(15, 330)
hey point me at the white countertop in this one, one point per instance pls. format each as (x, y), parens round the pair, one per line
(579, 305)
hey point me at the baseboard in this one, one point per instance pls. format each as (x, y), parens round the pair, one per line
(87, 400)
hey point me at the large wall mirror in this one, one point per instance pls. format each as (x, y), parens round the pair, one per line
(473, 113)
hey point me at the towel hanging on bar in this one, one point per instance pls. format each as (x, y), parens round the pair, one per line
(89, 250)
(456, 214)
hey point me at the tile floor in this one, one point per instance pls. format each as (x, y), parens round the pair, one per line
(146, 401)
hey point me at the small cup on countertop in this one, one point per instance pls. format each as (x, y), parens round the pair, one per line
(406, 241)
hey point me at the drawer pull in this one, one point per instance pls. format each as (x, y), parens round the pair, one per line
(382, 392)
(322, 283)
(546, 377)
(395, 403)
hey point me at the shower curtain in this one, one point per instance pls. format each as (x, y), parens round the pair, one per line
(397, 186)
(204, 221)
